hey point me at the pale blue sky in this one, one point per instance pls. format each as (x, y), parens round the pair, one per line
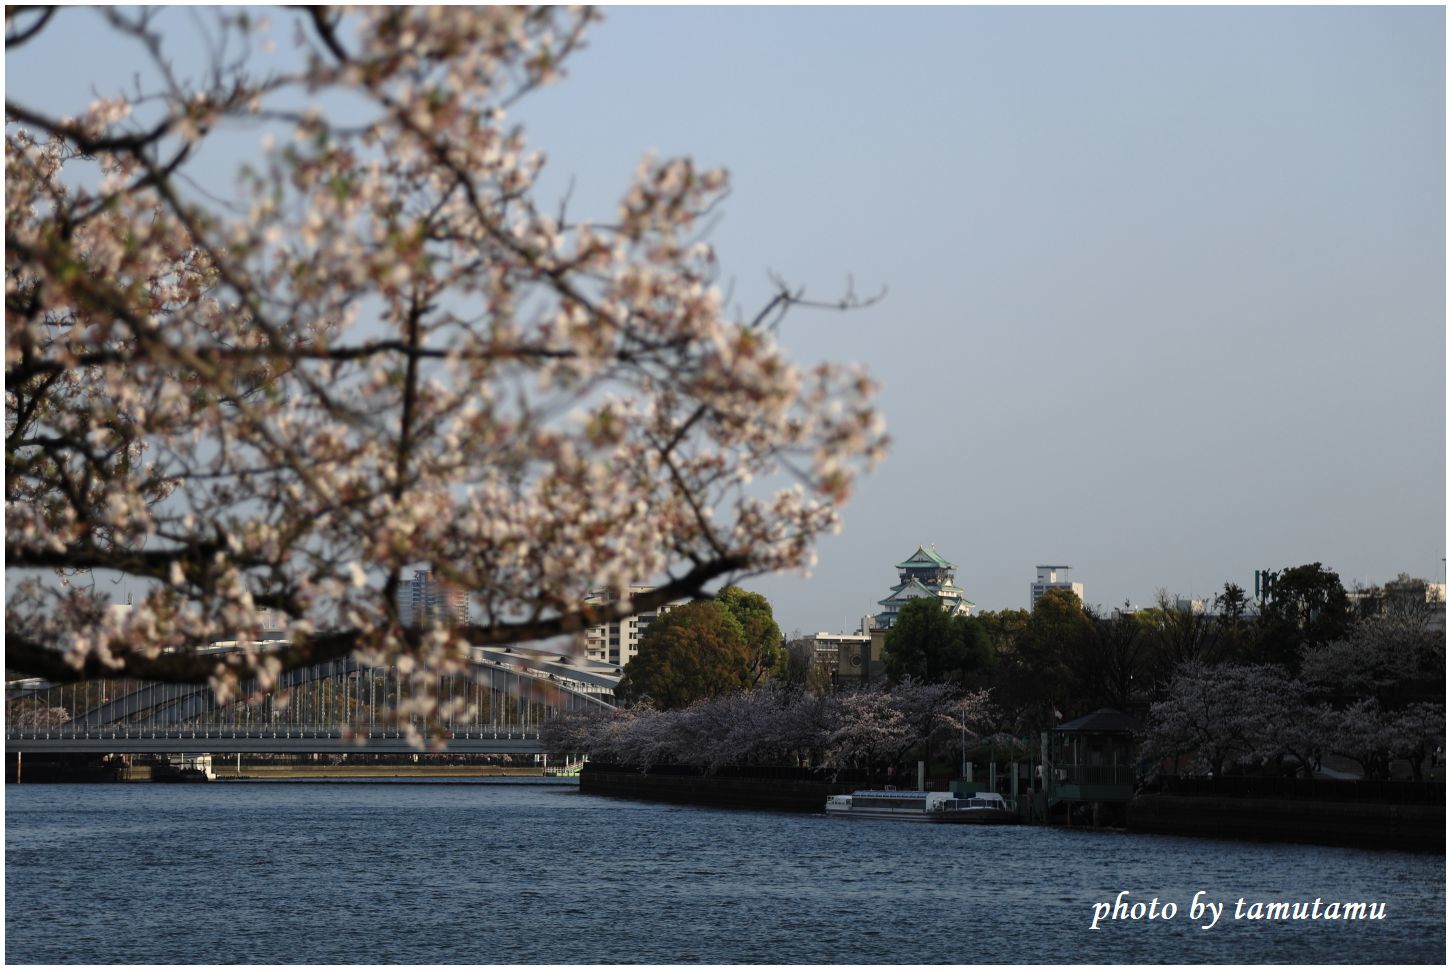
(1166, 285)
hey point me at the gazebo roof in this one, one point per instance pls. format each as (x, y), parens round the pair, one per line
(1105, 720)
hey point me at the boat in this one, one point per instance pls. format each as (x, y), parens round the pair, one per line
(983, 808)
(197, 768)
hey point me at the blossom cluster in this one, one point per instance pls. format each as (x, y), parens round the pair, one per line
(380, 352)
(1213, 718)
(774, 725)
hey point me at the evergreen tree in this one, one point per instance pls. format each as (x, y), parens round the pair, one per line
(692, 652)
(758, 625)
(928, 645)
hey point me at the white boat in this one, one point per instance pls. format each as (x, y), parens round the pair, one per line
(984, 808)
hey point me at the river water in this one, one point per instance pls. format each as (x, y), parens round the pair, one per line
(490, 872)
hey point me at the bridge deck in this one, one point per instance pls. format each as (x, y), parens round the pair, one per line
(269, 741)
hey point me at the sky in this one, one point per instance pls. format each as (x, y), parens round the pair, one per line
(1165, 287)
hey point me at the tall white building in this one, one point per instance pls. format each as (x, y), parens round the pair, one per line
(425, 599)
(617, 642)
(1048, 578)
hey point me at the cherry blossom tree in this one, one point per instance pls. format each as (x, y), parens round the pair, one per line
(871, 731)
(1420, 728)
(1392, 656)
(879, 726)
(1219, 715)
(772, 725)
(569, 731)
(1365, 734)
(1376, 737)
(30, 714)
(1387, 674)
(379, 350)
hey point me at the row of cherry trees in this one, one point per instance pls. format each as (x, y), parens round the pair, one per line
(776, 725)
(1372, 696)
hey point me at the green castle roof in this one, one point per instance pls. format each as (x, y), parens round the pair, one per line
(925, 557)
(911, 589)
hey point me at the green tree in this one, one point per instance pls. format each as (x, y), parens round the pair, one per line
(1113, 669)
(928, 645)
(1232, 604)
(1004, 628)
(758, 625)
(1040, 681)
(1178, 635)
(692, 652)
(1306, 605)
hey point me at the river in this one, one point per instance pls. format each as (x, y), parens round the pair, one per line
(499, 872)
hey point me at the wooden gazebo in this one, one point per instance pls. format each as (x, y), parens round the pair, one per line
(1093, 758)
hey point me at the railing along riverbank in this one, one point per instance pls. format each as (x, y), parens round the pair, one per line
(1315, 789)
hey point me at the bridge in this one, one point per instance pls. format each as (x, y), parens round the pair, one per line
(495, 706)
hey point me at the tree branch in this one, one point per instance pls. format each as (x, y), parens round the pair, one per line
(30, 657)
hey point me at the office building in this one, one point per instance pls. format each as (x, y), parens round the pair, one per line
(618, 641)
(1049, 578)
(425, 600)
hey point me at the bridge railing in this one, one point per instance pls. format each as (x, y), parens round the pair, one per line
(280, 732)
(339, 695)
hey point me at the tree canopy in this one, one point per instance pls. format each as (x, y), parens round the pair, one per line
(694, 651)
(758, 626)
(378, 350)
(774, 725)
(927, 644)
(1304, 605)
(1058, 630)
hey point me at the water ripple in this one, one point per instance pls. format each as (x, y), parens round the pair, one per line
(481, 873)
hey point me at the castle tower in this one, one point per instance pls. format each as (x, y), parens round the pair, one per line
(924, 573)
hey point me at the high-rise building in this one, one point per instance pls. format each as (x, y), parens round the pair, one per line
(424, 600)
(1048, 579)
(618, 641)
(924, 573)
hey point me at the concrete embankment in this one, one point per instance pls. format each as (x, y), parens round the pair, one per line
(1366, 825)
(1361, 825)
(327, 772)
(778, 790)
(85, 768)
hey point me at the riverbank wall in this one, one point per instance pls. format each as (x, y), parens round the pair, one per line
(781, 789)
(1353, 824)
(252, 772)
(87, 768)
(1360, 825)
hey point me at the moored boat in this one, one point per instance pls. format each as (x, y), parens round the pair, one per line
(983, 808)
